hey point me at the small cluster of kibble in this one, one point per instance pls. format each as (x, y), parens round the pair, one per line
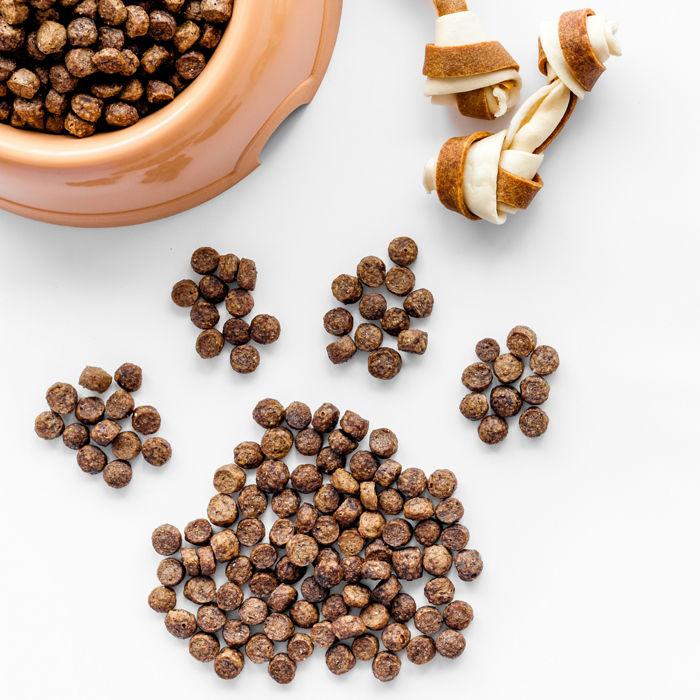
(382, 362)
(220, 272)
(334, 535)
(505, 400)
(81, 66)
(99, 423)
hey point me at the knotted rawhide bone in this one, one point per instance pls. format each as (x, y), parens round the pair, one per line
(463, 65)
(496, 174)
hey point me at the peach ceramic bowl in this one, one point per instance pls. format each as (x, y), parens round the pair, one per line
(271, 60)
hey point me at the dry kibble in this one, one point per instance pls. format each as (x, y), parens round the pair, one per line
(428, 620)
(229, 479)
(278, 627)
(468, 564)
(403, 607)
(62, 398)
(544, 360)
(412, 482)
(400, 280)
(493, 430)
(306, 518)
(368, 495)
(76, 436)
(338, 322)
(534, 422)
(297, 415)
(521, 341)
(373, 307)
(117, 474)
(420, 650)
(419, 303)
(285, 503)
(170, 572)
(264, 329)
(413, 341)
(281, 599)
(91, 459)
(145, 420)
(365, 647)
(386, 666)
(508, 368)
(342, 350)
(437, 560)
(397, 532)
(325, 418)
(477, 377)
(371, 271)
(95, 379)
(442, 483)
(458, 615)
(534, 390)
(474, 406)
(455, 537)
(104, 432)
(235, 633)
(304, 614)
(376, 570)
(247, 274)
(396, 636)
(181, 623)
(210, 618)
(204, 315)
(322, 634)
(119, 405)
(263, 556)
(225, 545)
(506, 402)
(352, 568)
(346, 289)
(204, 260)
(24, 83)
(449, 511)
(386, 591)
(276, 443)
(162, 599)
(263, 583)
(403, 251)
(228, 663)
(282, 668)
(439, 591)
(244, 359)
(450, 643)
(427, 532)
(166, 540)
(90, 410)
(48, 425)
(378, 551)
(339, 659)
(388, 471)
(185, 293)
(408, 563)
(371, 525)
(395, 320)
(348, 627)
(368, 337)
(213, 289)
(313, 591)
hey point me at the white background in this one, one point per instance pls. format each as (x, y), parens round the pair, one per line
(589, 536)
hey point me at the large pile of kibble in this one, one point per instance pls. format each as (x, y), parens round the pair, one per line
(335, 541)
(100, 422)
(382, 362)
(220, 272)
(81, 66)
(505, 400)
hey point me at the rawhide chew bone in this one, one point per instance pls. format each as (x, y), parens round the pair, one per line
(488, 176)
(463, 65)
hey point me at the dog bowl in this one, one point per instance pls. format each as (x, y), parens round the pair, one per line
(271, 60)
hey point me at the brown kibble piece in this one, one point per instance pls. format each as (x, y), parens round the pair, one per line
(322, 634)
(213, 289)
(408, 563)
(62, 398)
(506, 402)
(104, 432)
(373, 307)
(111, 60)
(225, 545)
(229, 479)
(181, 623)
(346, 289)
(488, 350)
(544, 360)
(400, 281)
(264, 329)
(365, 647)
(468, 564)
(156, 451)
(368, 337)
(90, 410)
(521, 341)
(204, 315)
(222, 510)
(228, 663)
(185, 293)
(427, 532)
(236, 633)
(395, 320)
(259, 649)
(204, 260)
(396, 636)
(341, 351)
(162, 599)
(137, 21)
(204, 647)
(493, 430)
(386, 666)
(412, 482)
(428, 619)
(145, 420)
(534, 390)
(442, 483)
(91, 459)
(450, 643)
(24, 83)
(209, 344)
(95, 379)
(403, 251)
(439, 590)
(455, 537)
(126, 446)
(119, 405)
(190, 560)
(477, 377)
(302, 550)
(339, 659)
(534, 422)
(325, 418)
(338, 322)
(403, 607)
(252, 502)
(282, 668)
(245, 359)
(508, 368)
(306, 518)
(236, 331)
(418, 509)
(48, 425)
(437, 560)
(386, 591)
(159, 91)
(303, 612)
(458, 615)
(371, 271)
(78, 127)
(166, 540)
(239, 570)
(117, 474)
(420, 650)
(300, 647)
(449, 510)
(474, 406)
(348, 626)
(207, 561)
(253, 612)
(278, 627)
(239, 302)
(87, 107)
(170, 572)
(413, 341)
(76, 436)
(268, 413)
(419, 303)
(384, 363)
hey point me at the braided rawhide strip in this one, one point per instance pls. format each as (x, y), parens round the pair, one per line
(497, 173)
(462, 66)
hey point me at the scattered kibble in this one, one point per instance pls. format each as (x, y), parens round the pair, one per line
(344, 536)
(80, 68)
(100, 424)
(505, 400)
(219, 275)
(382, 362)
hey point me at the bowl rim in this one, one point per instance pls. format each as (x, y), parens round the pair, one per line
(61, 151)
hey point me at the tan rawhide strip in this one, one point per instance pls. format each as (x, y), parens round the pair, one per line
(474, 104)
(465, 61)
(449, 175)
(449, 7)
(577, 48)
(516, 191)
(573, 101)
